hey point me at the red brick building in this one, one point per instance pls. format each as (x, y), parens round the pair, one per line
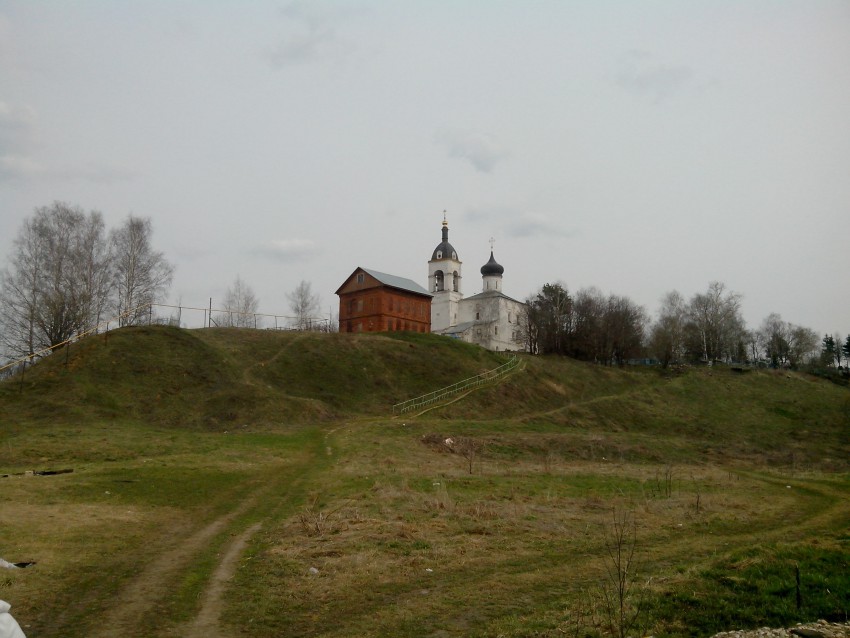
(372, 301)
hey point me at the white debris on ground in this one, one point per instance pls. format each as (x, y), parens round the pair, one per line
(819, 629)
(9, 627)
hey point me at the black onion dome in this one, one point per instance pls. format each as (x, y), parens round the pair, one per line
(444, 249)
(491, 267)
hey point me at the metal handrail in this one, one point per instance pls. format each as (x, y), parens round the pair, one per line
(473, 382)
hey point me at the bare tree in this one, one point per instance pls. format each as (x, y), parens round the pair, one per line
(715, 323)
(755, 345)
(56, 285)
(667, 335)
(333, 320)
(624, 327)
(240, 305)
(622, 594)
(775, 337)
(19, 293)
(786, 344)
(845, 350)
(804, 346)
(588, 338)
(142, 275)
(469, 448)
(547, 321)
(529, 326)
(586, 326)
(304, 305)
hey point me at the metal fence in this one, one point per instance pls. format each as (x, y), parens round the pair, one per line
(209, 317)
(184, 317)
(473, 382)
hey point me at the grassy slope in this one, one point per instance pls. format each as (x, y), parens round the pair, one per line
(214, 379)
(701, 459)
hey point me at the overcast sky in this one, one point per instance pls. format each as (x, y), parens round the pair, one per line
(639, 147)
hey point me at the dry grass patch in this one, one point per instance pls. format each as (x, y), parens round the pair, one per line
(410, 550)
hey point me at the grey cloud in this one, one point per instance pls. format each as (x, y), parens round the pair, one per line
(15, 167)
(480, 150)
(310, 35)
(6, 57)
(515, 223)
(91, 173)
(640, 75)
(300, 48)
(16, 124)
(21, 166)
(17, 139)
(537, 225)
(490, 213)
(311, 14)
(288, 250)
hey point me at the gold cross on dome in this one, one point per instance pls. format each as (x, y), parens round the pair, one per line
(492, 243)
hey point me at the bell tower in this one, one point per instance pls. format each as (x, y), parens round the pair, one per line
(444, 282)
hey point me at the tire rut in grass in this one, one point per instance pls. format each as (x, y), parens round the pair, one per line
(130, 610)
(127, 611)
(206, 623)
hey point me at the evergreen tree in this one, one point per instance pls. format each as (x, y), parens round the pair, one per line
(827, 353)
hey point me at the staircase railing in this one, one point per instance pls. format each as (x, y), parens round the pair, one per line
(443, 393)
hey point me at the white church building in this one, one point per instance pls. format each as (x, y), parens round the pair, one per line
(489, 319)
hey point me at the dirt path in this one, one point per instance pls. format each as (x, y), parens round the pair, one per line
(134, 608)
(129, 607)
(247, 376)
(206, 624)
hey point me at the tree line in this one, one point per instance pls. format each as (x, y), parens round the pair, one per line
(66, 274)
(241, 305)
(708, 327)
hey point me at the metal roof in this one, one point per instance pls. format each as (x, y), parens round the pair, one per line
(492, 293)
(397, 282)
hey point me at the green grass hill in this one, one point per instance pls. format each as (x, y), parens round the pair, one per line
(491, 514)
(217, 378)
(224, 378)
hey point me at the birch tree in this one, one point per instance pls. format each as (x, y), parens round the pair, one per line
(142, 275)
(667, 336)
(240, 305)
(845, 349)
(716, 323)
(304, 305)
(56, 285)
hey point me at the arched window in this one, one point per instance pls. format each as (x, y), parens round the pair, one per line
(438, 281)
(456, 281)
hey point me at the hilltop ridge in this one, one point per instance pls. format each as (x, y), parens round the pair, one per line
(221, 379)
